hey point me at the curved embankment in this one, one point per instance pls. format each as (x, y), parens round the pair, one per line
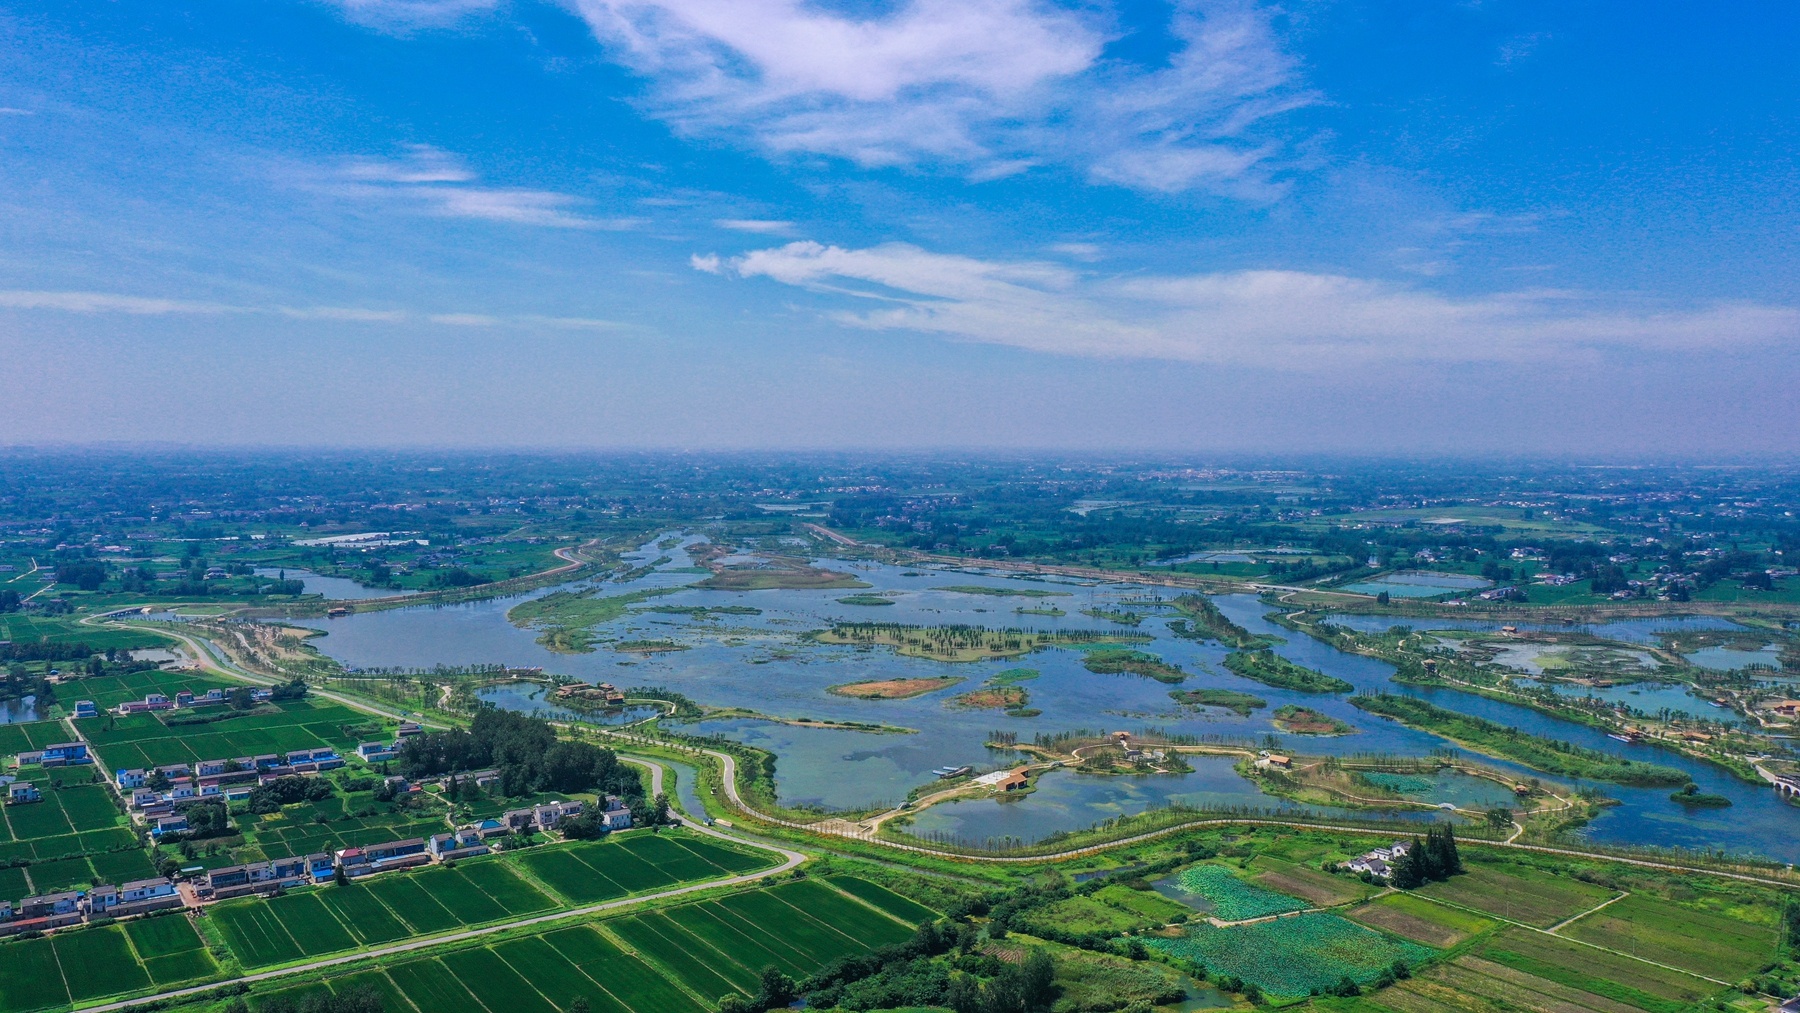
(729, 767)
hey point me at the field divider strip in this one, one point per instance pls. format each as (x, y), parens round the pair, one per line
(791, 860)
(1575, 918)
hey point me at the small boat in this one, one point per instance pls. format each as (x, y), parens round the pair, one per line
(1621, 738)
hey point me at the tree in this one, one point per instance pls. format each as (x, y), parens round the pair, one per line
(243, 698)
(579, 1005)
(774, 989)
(1499, 817)
(157, 781)
(659, 808)
(964, 995)
(1038, 981)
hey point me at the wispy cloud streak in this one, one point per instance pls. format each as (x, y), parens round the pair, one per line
(1283, 319)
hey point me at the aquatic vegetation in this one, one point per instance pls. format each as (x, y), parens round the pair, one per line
(1293, 956)
(1231, 899)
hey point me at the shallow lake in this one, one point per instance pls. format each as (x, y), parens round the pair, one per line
(1725, 659)
(335, 588)
(1419, 584)
(763, 663)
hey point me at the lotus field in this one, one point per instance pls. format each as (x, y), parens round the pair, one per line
(1227, 897)
(1293, 956)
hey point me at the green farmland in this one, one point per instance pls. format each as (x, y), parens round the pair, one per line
(145, 740)
(90, 964)
(75, 836)
(401, 905)
(678, 960)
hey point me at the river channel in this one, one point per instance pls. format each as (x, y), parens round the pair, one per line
(762, 663)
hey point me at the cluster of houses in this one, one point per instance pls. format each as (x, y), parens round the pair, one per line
(353, 863)
(377, 752)
(1379, 862)
(59, 910)
(154, 702)
(471, 839)
(211, 781)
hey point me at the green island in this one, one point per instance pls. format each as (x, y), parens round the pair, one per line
(1269, 668)
(865, 599)
(1299, 720)
(704, 611)
(1229, 699)
(565, 619)
(1205, 622)
(1123, 618)
(1003, 592)
(962, 643)
(1497, 740)
(1115, 661)
(1691, 795)
(1040, 610)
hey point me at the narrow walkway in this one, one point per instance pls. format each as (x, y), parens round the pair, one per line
(1570, 921)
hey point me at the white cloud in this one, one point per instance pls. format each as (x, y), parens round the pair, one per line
(989, 87)
(1283, 319)
(15, 111)
(708, 262)
(437, 183)
(107, 302)
(763, 226)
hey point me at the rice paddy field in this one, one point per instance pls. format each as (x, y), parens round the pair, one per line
(145, 740)
(678, 960)
(90, 964)
(75, 836)
(1420, 920)
(401, 905)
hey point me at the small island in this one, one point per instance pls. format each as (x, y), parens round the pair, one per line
(1229, 699)
(1003, 592)
(893, 689)
(865, 599)
(1113, 661)
(1691, 795)
(1306, 721)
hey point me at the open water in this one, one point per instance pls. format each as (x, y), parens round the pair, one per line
(760, 662)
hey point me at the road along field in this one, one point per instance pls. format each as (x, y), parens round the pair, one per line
(480, 891)
(681, 959)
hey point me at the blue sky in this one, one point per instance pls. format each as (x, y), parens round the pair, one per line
(1480, 227)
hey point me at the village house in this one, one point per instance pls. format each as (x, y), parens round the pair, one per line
(258, 877)
(136, 897)
(151, 702)
(376, 752)
(466, 842)
(86, 709)
(65, 754)
(22, 792)
(355, 862)
(1379, 861)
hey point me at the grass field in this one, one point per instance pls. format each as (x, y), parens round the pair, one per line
(907, 911)
(1566, 962)
(1519, 894)
(1698, 941)
(1420, 920)
(1321, 889)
